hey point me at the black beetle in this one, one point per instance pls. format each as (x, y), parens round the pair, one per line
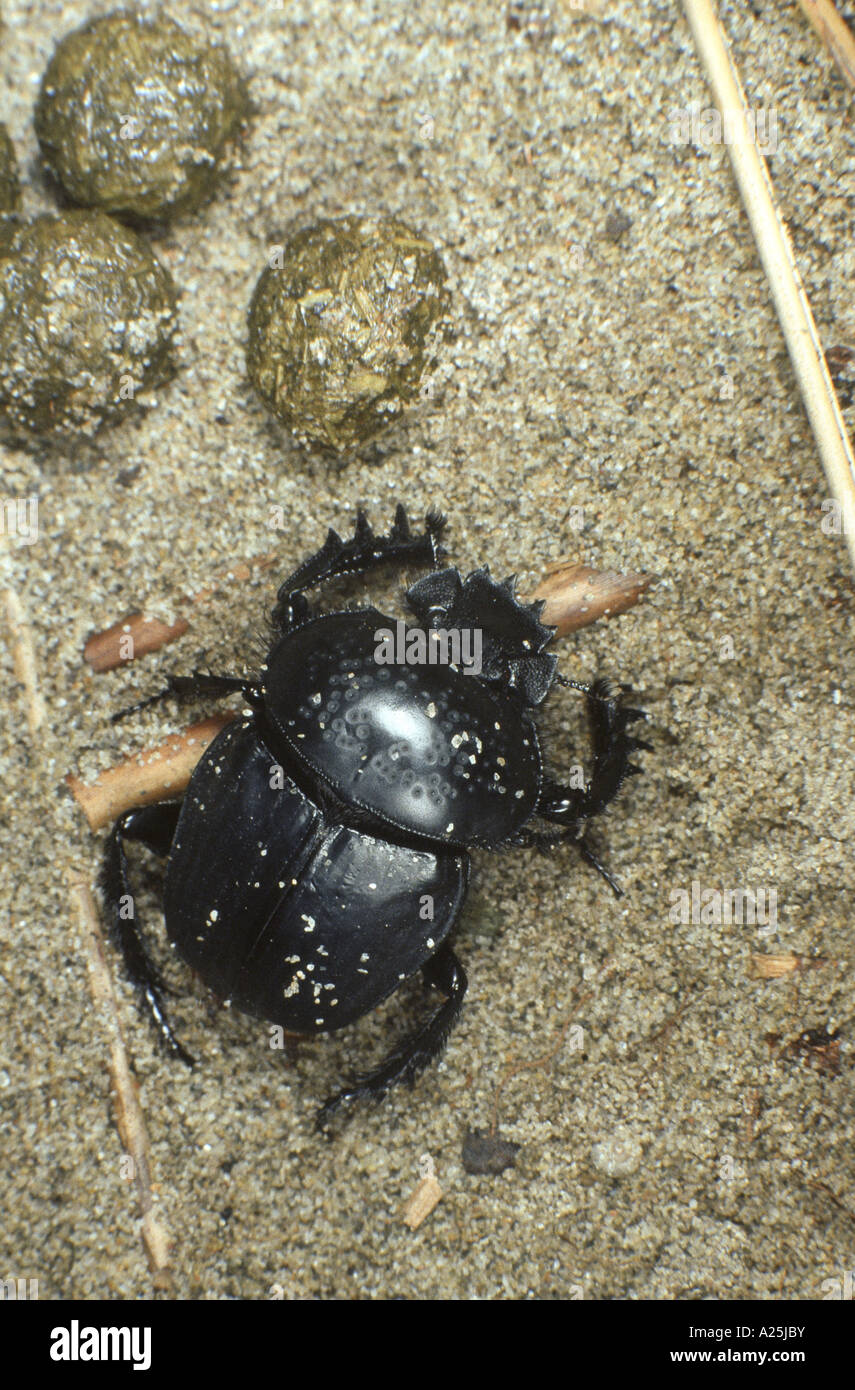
(319, 856)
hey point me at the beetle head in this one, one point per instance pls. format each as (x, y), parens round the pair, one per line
(512, 637)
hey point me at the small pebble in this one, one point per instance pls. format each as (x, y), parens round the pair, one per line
(488, 1153)
(617, 226)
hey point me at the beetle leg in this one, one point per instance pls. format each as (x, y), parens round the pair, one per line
(590, 858)
(548, 839)
(337, 557)
(570, 807)
(201, 683)
(416, 1052)
(154, 826)
(613, 746)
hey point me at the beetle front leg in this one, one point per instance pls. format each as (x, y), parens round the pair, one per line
(153, 826)
(613, 746)
(416, 1052)
(570, 806)
(337, 557)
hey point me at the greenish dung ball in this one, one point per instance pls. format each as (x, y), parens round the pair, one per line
(134, 115)
(342, 326)
(87, 319)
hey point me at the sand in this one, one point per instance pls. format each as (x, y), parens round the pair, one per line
(615, 362)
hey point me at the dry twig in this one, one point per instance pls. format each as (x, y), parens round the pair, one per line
(24, 658)
(835, 34)
(774, 967)
(129, 1113)
(149, 776)
(776, 253)
(132, 636)
(575, 595)
(535, 1064)
(138, 634)
(129, 1116)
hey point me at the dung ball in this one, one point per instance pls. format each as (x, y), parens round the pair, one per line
(87, 318)
(134, 114)
(342, 326)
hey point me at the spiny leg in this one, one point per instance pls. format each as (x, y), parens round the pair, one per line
(416, 1052)
(153, 826)
(201, 683)
(613, 745)
(337, 557)
(570, 806)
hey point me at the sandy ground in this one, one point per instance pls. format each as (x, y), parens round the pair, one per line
(668, 1150)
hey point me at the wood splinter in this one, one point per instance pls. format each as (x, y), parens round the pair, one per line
(153, 775)
(132, 636)
(137, 634)
(835, 34)
(130, 1119)
(577, 595)
(775, 967)
(421, 1202)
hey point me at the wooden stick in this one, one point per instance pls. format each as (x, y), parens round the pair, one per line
(577, 595)
(132, 636)
(137, 634)
(129, 1115)
(24, 658)
(835, 34)
(153, 775)
(776, 253)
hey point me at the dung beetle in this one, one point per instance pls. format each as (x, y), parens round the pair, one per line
(320, 854)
